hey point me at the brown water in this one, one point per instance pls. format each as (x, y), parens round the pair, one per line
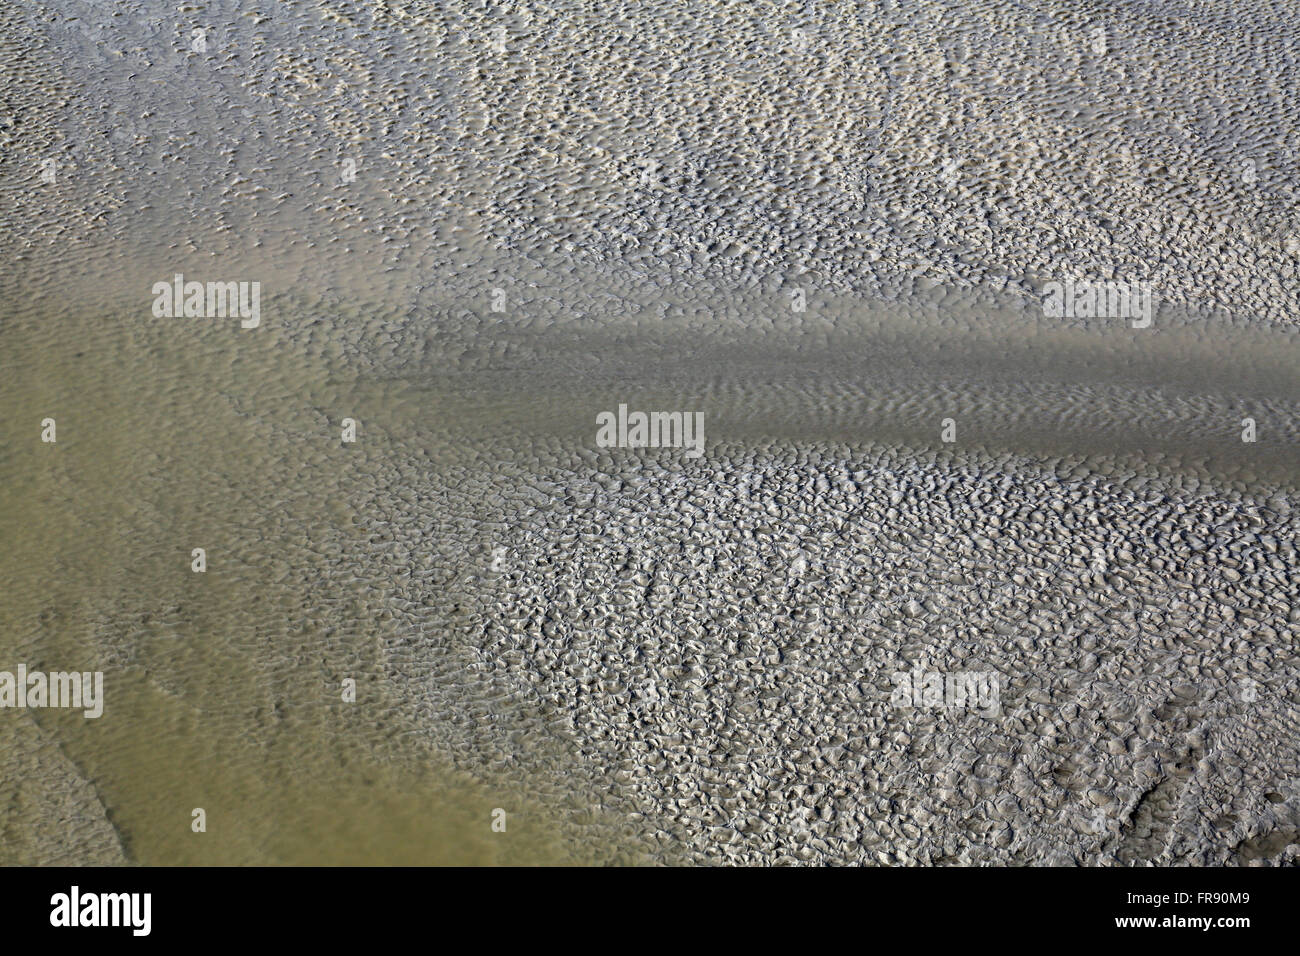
(223, 689)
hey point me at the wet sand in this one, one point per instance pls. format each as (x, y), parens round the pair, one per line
(645, 658)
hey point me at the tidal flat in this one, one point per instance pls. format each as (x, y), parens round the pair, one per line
(437, 619)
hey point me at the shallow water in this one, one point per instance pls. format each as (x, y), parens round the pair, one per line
(223, 689)
(641, 658)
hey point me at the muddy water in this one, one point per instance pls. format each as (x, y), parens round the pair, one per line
(223, 689)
